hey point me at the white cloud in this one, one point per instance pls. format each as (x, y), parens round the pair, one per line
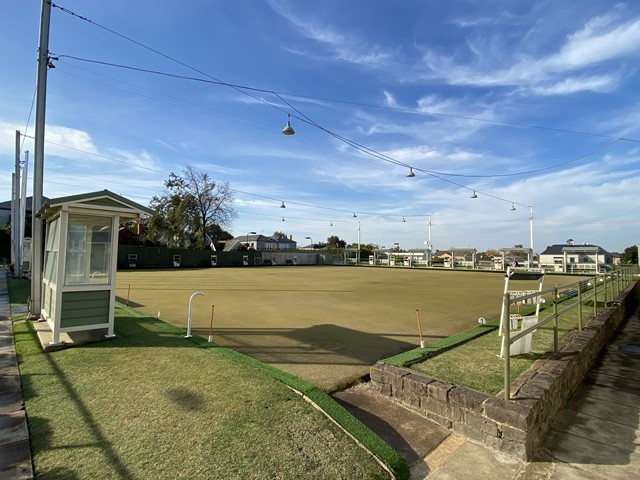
(569, 85)
(342, 47)
(595, 43)
(600, 40)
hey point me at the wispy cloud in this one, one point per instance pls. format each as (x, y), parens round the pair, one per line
(340, 46)
(599, 41)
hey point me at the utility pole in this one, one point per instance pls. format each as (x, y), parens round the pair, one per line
(38, 160)
(429, 246)
(358, 257)
(15, 213)
(531, 229)
(23, 205)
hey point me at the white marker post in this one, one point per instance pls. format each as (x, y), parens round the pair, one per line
(419, 329)
(211, 324)
(188, 335)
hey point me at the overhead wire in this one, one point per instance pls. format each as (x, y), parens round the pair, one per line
(303, 117)
(363, 149)
(358, 146)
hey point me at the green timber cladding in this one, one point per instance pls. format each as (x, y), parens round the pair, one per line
(84, 308)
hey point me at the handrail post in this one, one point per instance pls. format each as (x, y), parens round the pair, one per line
(612, 284)
(595, 296)
(506, 346)
(580, 306)
(555, 319)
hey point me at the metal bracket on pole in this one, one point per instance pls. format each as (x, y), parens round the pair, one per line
(188, 335)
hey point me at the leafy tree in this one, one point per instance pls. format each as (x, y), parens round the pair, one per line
(366, 249)
(192, 205)
(333, 242)
(630, 255)
(278, 234)
(217, 234)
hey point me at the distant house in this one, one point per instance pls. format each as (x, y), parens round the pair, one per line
(260, 243)
(571, 258)
(5, 210)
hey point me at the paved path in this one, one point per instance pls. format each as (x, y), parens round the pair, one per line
(15, 452)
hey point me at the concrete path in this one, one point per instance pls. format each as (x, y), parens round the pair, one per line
(15, 451)
(598, 435)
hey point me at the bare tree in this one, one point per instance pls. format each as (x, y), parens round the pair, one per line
(193, 205)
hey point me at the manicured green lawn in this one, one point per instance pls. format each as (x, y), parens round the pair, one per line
(477, 364)
(325, 324)
(152, 404)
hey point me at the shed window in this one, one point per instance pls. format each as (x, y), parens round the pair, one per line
(88, 258)
(51, 253)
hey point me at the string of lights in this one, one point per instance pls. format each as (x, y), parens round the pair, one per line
(243, 192)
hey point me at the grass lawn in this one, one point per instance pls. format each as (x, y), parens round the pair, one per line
(325, 324)
(151, 404)
(477, 363)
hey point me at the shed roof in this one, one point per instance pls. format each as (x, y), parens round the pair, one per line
(103, 200)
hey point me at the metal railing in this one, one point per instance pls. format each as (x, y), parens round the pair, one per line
(599, 288)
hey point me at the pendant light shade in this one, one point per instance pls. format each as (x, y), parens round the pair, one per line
(288, 130)
(411, 174)
(474, 195)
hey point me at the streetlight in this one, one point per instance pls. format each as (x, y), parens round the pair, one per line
(249, 233)
(397, 245)
(311, 241)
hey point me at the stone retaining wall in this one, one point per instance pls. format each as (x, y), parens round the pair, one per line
(517, 426)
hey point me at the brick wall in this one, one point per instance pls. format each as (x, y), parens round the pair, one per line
(516, 426)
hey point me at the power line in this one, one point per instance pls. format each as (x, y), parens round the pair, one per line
(358, 146)
(306, 119)
(326, 99)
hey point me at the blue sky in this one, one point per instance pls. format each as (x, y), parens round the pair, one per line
(530, 104)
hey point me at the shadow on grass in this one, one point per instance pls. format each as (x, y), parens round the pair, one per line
(326, 344)
(186, 399)
(130, 303)
(41, 431)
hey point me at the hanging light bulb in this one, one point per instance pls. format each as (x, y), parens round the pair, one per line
(411, 174)
(513, 207)
(283, 205)
(474, 195)
(354, 215)
(331, 224)
(288, 130)
(283, 219)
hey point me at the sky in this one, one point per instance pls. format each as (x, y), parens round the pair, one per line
(534, 106)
